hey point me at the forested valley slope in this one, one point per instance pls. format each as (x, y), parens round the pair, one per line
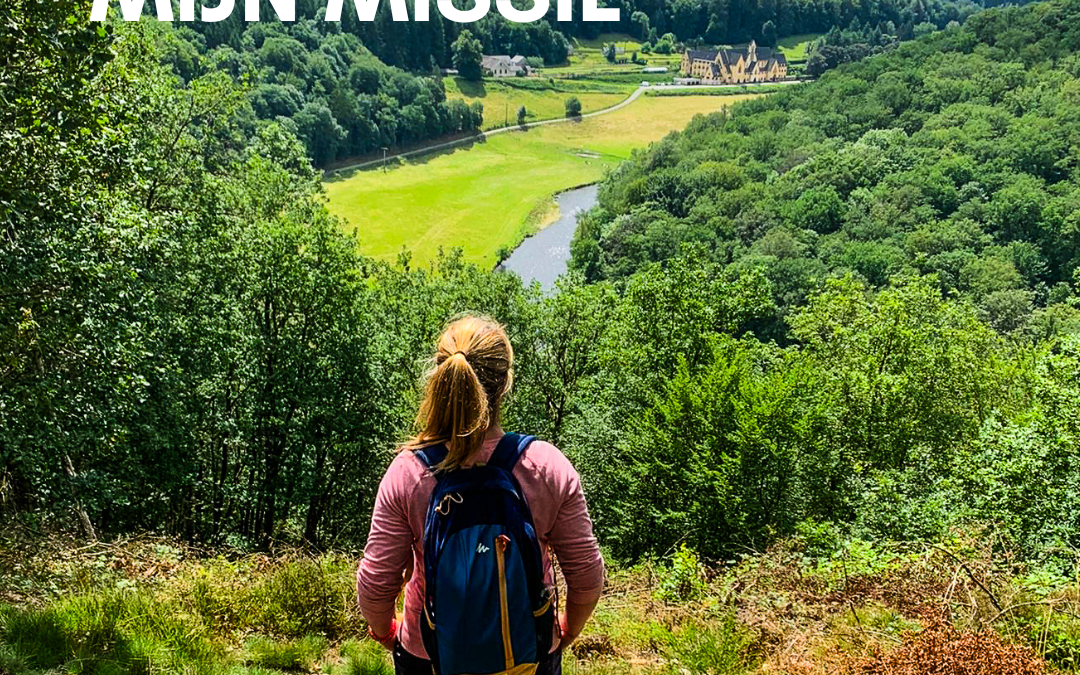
(818, 366)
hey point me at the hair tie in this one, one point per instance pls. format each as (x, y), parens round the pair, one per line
(460, 352)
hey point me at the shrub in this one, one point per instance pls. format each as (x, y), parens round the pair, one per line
(573, 107)
(685, 579)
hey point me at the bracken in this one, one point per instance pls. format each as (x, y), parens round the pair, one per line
(940, 649)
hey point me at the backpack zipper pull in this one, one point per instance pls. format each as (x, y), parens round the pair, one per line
(448, 499)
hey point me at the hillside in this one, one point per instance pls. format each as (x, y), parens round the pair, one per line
(954, 156)
(352, 88)
(482, 198)
(818, 368)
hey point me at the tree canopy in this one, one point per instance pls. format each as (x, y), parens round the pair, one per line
(848, 309)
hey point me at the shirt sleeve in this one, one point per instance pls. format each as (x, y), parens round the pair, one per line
(572, 538)
(388, 551)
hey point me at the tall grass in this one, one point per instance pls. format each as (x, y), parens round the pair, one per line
(292, 599)
(301, 654)
(121, 632)
(285, 613)
(363, 658)
(718, 647)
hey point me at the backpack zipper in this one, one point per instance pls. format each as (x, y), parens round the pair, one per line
(500, 556)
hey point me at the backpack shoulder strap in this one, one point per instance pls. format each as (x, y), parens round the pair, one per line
(509, 451)
(432, 455)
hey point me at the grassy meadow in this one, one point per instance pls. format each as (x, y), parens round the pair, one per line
(588, 56)
(543, 99)
(480, 197)
(794, 47)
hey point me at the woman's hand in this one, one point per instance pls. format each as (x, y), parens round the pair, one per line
(389, 639)
(566, 637)
(573, 620)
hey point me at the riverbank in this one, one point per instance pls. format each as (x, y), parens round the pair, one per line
(477, 197)
(543, 255)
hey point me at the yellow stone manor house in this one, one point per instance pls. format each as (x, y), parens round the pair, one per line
(735, 66)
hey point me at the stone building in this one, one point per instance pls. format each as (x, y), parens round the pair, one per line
(735, 66)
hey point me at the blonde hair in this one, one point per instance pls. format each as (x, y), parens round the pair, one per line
(469, 376)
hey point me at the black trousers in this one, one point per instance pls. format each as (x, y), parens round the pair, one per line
(407, 664)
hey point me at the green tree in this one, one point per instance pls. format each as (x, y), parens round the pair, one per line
(640, 20)
(573, 107)
(768, 34)
(715, 31)
(467, 52)
(521, 114)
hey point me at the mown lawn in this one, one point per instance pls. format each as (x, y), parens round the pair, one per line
(501, 99)
(480, 197)
(794, 46)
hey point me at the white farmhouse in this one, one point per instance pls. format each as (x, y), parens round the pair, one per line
(500, 65)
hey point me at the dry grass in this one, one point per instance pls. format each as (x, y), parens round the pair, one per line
(964, 608)
(940, 649)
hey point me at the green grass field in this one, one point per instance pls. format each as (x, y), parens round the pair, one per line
(480, 197)
(543, 99)
(715, 91)
(794, 47)
(588, 59)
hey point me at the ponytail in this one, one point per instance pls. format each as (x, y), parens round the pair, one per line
(469, 377)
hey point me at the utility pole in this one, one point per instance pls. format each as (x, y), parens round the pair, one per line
(384, 149)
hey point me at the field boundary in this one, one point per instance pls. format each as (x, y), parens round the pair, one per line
(481, 137)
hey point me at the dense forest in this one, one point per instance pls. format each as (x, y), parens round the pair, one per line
(421, 45)
(354, 87)
(953, 156)
(734, 21)
(327, 89)
(848, 308)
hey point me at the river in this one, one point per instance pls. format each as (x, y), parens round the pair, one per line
(543, 257)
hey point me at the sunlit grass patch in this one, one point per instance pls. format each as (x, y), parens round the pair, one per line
(479, 197)
(720, 646)
(794, 47)
(288, 598)
(299, 654)
(106, 632)
(363, 658)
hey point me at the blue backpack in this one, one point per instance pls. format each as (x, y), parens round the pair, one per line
(486, 607)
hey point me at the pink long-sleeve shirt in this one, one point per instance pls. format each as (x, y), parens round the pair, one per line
(553, 491)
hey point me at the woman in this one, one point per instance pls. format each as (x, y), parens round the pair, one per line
(470, 378)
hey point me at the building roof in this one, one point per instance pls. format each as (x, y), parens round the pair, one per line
(493, 61)
(765, 55)
(701, 54)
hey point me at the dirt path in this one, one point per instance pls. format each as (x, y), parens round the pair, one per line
(558, 120)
